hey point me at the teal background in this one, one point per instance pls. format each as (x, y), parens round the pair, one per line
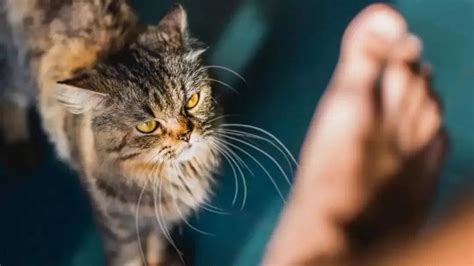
(286, 50)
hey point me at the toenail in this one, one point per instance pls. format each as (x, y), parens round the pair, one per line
(387, 25)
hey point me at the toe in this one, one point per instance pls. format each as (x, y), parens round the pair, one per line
(436, 152)
(407, 50)
(395, 86)
(415, 97)
(400, 86)
(428, 125)
(420, 117)
(367, 43)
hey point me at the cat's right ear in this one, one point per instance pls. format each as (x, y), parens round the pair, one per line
(170, 33)
(78, 100)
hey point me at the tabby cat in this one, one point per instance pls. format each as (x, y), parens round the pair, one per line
(128, 107)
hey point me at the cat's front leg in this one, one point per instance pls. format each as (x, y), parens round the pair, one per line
(121, 242)
(156, 249)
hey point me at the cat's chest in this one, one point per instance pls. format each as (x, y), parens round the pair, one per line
(176, 188)
(171, 192)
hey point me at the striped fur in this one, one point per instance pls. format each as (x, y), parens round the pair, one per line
(97, 76)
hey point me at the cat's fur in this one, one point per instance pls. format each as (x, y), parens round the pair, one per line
(97, 76)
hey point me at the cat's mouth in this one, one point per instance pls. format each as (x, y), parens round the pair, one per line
(190, 151)
(184, 151)
(175, 155)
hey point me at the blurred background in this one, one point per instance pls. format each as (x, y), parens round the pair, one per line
(286, 50)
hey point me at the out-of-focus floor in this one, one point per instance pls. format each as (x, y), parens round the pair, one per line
(286, 50)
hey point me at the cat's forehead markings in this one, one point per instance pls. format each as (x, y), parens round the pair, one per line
(163, 106)
(159, 98)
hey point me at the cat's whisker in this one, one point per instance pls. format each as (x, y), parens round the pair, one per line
(159, 216)
(220, 117)
(227, 69)
(244, 182)
(230, 162)
(205, 206)
(155, 205)
(266, 154)
(241, 161)
(153, 158)
(223, 84)
(137, 210)
(237, 161)
(251, 135)
(215, 209)
(272, 180)
(266, 133)
(184, 219)
(140, 247)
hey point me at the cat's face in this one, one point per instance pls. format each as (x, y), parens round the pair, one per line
(161, 112)
(151, 102)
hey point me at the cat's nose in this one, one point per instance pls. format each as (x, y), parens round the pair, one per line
(185, 136)
(181, 128)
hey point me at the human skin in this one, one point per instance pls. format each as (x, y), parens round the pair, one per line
(375, 138)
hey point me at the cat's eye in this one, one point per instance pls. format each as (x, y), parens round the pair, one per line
(192, 101)
(147, 127)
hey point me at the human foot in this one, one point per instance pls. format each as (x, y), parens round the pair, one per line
(377, 119)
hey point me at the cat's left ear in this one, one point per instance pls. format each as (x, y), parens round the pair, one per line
(79, 95)
(172, 30)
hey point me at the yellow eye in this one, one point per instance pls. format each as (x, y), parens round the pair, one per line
(147, 127)
(192, 101)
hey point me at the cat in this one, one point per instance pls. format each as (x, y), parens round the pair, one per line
(128, 107)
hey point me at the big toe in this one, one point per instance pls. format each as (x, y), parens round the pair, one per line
(367, 43)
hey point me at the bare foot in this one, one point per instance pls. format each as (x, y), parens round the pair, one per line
(376, 133)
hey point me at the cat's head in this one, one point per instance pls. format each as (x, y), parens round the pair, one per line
(150, 102)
